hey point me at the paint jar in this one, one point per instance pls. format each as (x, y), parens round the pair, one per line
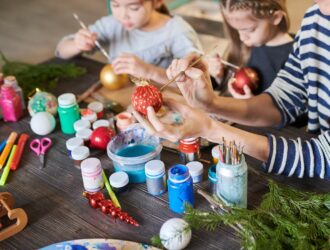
(232, 183)
(73, 143)
(180, 188)
(79, 154)
(215, 154)
(101, 123)
(81, 124)
(12, 81)
(89, 115)
(131, 149)
(96, 107)
(195, 170)
(212, 175)
(189, 150)
(10, 103)
(124, 120)
(119, 182)
(91, 171)
(85, 134)
(68, 111)
(156, 178)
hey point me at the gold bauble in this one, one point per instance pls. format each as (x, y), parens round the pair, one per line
(110, 80)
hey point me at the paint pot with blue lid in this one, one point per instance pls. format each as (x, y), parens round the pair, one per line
(212, 179)
(180, 188)
(156, 178)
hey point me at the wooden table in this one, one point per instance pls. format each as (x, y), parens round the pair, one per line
(57, 211)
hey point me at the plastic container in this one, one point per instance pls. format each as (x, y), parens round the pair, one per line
(10, 103)
(124, 120)
(131, 149)
(215, 154)
(101, 123)
(81, 124)
(180, 188)
(156, 177)
(232, 183)
(79, 154)
(119, 182)
(89, 115)
(212, 176)
(85, 134)
(195, 170)
(96, 107)
(189, 150)
(91, 171)
(73, 143)
(68, 112)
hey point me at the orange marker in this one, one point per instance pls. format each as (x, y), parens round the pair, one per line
(19, 151)
(10, 141)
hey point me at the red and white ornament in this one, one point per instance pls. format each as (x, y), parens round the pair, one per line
(245, 76)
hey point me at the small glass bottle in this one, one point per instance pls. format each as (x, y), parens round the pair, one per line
(68, 111)
(155, 177)
(79, 154)
(12, 81)
(96, 107)
(91, 171)
(10, 103)
(189, 150)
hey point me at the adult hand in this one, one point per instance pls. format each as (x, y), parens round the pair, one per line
(130, 64)
(84, 40)
(195, 84)
(215, 66)
(247, 91)
(191, 125)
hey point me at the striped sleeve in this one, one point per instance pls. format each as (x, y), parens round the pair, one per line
(299, 158)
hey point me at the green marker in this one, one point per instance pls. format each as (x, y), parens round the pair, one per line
(7, 167)
(109, 189)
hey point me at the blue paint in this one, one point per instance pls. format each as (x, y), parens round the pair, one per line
(2, 145)
(135, 150)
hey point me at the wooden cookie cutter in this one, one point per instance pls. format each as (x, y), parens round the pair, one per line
(18, 214)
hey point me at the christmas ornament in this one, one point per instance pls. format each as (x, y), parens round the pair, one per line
(101, 137)
(146, 95)
(42, 101)
(42, 123)
(110, 80)
(175, 234)
(245, 76)
(97, 200)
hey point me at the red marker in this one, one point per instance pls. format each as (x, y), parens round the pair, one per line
(19, 151)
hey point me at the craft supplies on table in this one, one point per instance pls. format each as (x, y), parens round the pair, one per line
(156, 177)
(73, 143)
(119, 182)
(10, 103)
(96, 107)
(5, 153)
(85, 135)
(196, 170)
(19, 151)
(40, 147)
(81, 124)
(68, 111)
(189, 150)
(91, 171)
(6, 170)
(124, 120)
(88, 115)
(79, 154)
(212, 176)
(101, 123)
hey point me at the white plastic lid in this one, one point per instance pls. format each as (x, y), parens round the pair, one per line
(119, 179)
(101, 123)
(80, 153)
(74, 143)
(10, 80)
(91, 117)
(84, 134)
(195, 168)
(215, 151)
(81, 124)
(154, 167)
(67, 99)
(90, 165)
(95, 106)
(189, 140)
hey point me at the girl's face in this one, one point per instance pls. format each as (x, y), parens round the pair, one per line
(253, 32)
(132, 14)
(324, 6)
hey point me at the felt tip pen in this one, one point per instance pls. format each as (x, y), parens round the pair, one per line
(2, 145)
(6, 170)
(10, 141)
(19, 151)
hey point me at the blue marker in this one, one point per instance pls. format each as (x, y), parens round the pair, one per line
(2, 145)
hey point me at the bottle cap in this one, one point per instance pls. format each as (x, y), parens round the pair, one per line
(74, 143)
(154, 167)
(67, 100)
(80, 153)
(84, 134)
(101, 123)
(119, 179)
(89, 115)
(195, 168)
(90, 165)
(81, 124)
(95, 106)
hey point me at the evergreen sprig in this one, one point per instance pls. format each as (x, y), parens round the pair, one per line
(285, 219)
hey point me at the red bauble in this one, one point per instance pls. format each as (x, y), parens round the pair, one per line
(245, 76)
(101, 137)
(144, 96)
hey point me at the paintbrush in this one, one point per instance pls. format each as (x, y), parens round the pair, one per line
(103, 51)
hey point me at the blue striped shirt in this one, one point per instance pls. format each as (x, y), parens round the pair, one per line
(303, 86)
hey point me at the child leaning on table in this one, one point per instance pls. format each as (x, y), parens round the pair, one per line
(301, 87)
(259, 38)
(143, 39)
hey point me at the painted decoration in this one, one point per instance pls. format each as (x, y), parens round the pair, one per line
(42, 101)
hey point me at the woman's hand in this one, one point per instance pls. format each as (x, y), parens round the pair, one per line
(247, 91)
(215, 66)
(84, 40)
(130, 64)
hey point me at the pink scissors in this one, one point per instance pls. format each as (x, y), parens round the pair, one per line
(40, 146)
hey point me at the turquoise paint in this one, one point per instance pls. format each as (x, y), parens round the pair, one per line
(135, 150)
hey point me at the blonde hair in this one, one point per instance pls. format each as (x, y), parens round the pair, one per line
(238, 52)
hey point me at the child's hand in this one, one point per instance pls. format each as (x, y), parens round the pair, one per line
(85, 40)
(216, 68)
(247, 91)
(130, 64)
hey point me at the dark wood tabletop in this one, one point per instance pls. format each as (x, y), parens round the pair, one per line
(57, 211)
